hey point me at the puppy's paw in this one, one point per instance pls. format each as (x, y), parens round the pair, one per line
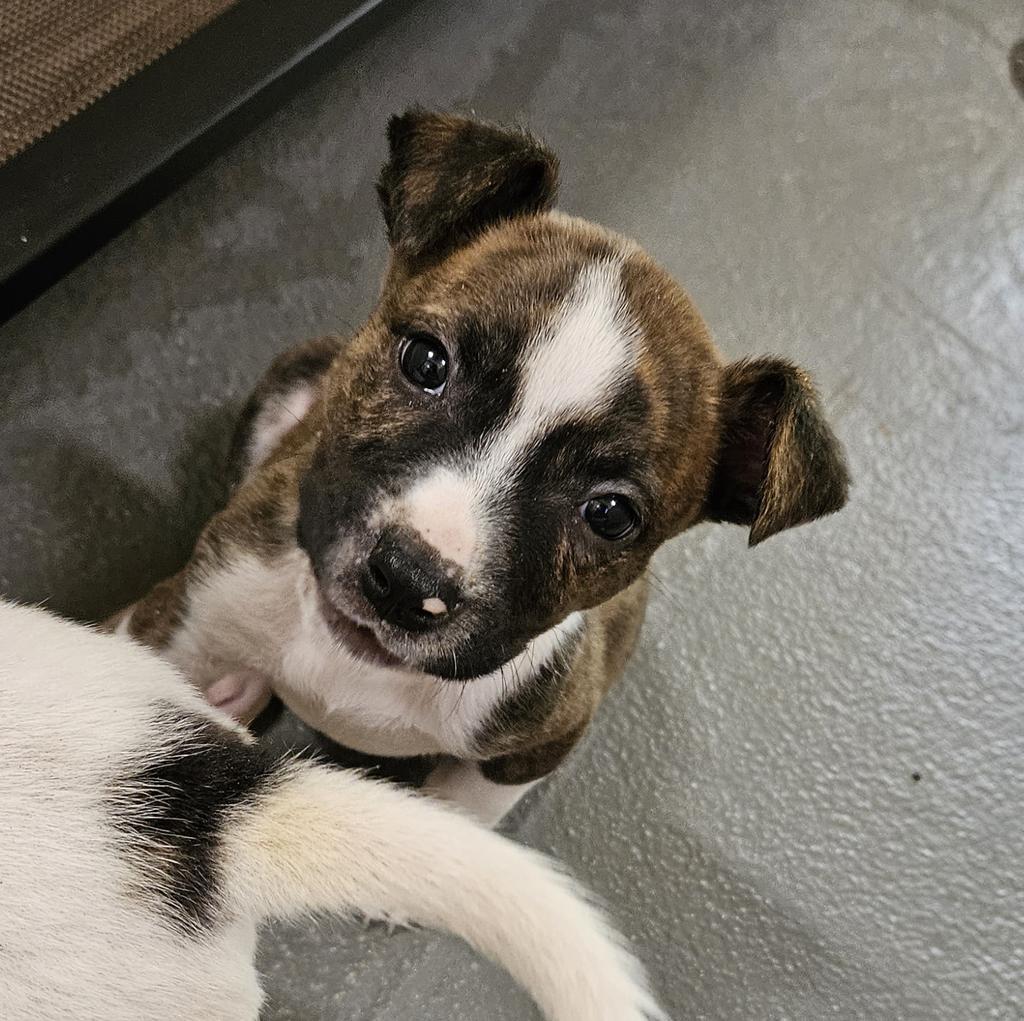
(243, 695)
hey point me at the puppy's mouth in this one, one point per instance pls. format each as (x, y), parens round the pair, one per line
(361, 639)
(357, 638)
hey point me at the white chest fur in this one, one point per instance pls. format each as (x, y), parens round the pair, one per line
(264, 615)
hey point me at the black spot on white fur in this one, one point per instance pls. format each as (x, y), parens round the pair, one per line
(171, 810)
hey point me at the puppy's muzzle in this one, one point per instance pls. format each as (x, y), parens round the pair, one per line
(407, 586)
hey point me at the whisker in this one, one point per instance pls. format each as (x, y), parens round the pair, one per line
(666, 592)
(462, 694)
(277, 402)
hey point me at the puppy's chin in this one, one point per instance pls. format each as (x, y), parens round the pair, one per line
(468, 664)
(359, 639)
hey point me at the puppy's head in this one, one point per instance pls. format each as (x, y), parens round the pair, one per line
(533, 408)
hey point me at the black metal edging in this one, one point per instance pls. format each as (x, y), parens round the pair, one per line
(77, 187)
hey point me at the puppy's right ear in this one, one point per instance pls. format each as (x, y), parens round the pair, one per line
(450, 178)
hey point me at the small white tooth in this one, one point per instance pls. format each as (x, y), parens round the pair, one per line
(435, 606)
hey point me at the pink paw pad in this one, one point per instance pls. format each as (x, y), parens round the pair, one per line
(242, 695)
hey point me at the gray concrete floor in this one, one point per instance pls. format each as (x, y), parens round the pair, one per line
(838, 183)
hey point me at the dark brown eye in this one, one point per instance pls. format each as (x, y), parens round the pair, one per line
(424, 362)
(611, 516)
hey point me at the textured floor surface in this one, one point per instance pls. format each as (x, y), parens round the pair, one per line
(805, 799)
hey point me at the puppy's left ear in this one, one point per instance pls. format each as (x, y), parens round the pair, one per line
(778, 463)
(450, 178)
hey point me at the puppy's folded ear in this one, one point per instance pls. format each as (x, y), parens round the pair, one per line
(778, 462)
(449, 178)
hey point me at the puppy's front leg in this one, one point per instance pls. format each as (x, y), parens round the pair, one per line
(242, 694)
(463, 784)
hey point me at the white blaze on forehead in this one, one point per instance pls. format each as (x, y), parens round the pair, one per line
(440, 507)
(584, 352)
(574, 365)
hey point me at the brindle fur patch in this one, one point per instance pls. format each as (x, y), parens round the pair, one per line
(535, 729)
(156, 617)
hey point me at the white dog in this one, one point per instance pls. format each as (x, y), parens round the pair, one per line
(144, 837)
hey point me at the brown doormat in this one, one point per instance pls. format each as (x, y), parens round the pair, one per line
(58, 56)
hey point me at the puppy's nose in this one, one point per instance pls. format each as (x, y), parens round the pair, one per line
(406, 587)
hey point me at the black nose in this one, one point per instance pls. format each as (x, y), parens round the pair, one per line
(406, 587)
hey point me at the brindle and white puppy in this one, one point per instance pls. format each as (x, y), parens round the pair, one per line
(440, 543)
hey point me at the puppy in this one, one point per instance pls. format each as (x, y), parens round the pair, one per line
(439, 544)
(144, 837)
